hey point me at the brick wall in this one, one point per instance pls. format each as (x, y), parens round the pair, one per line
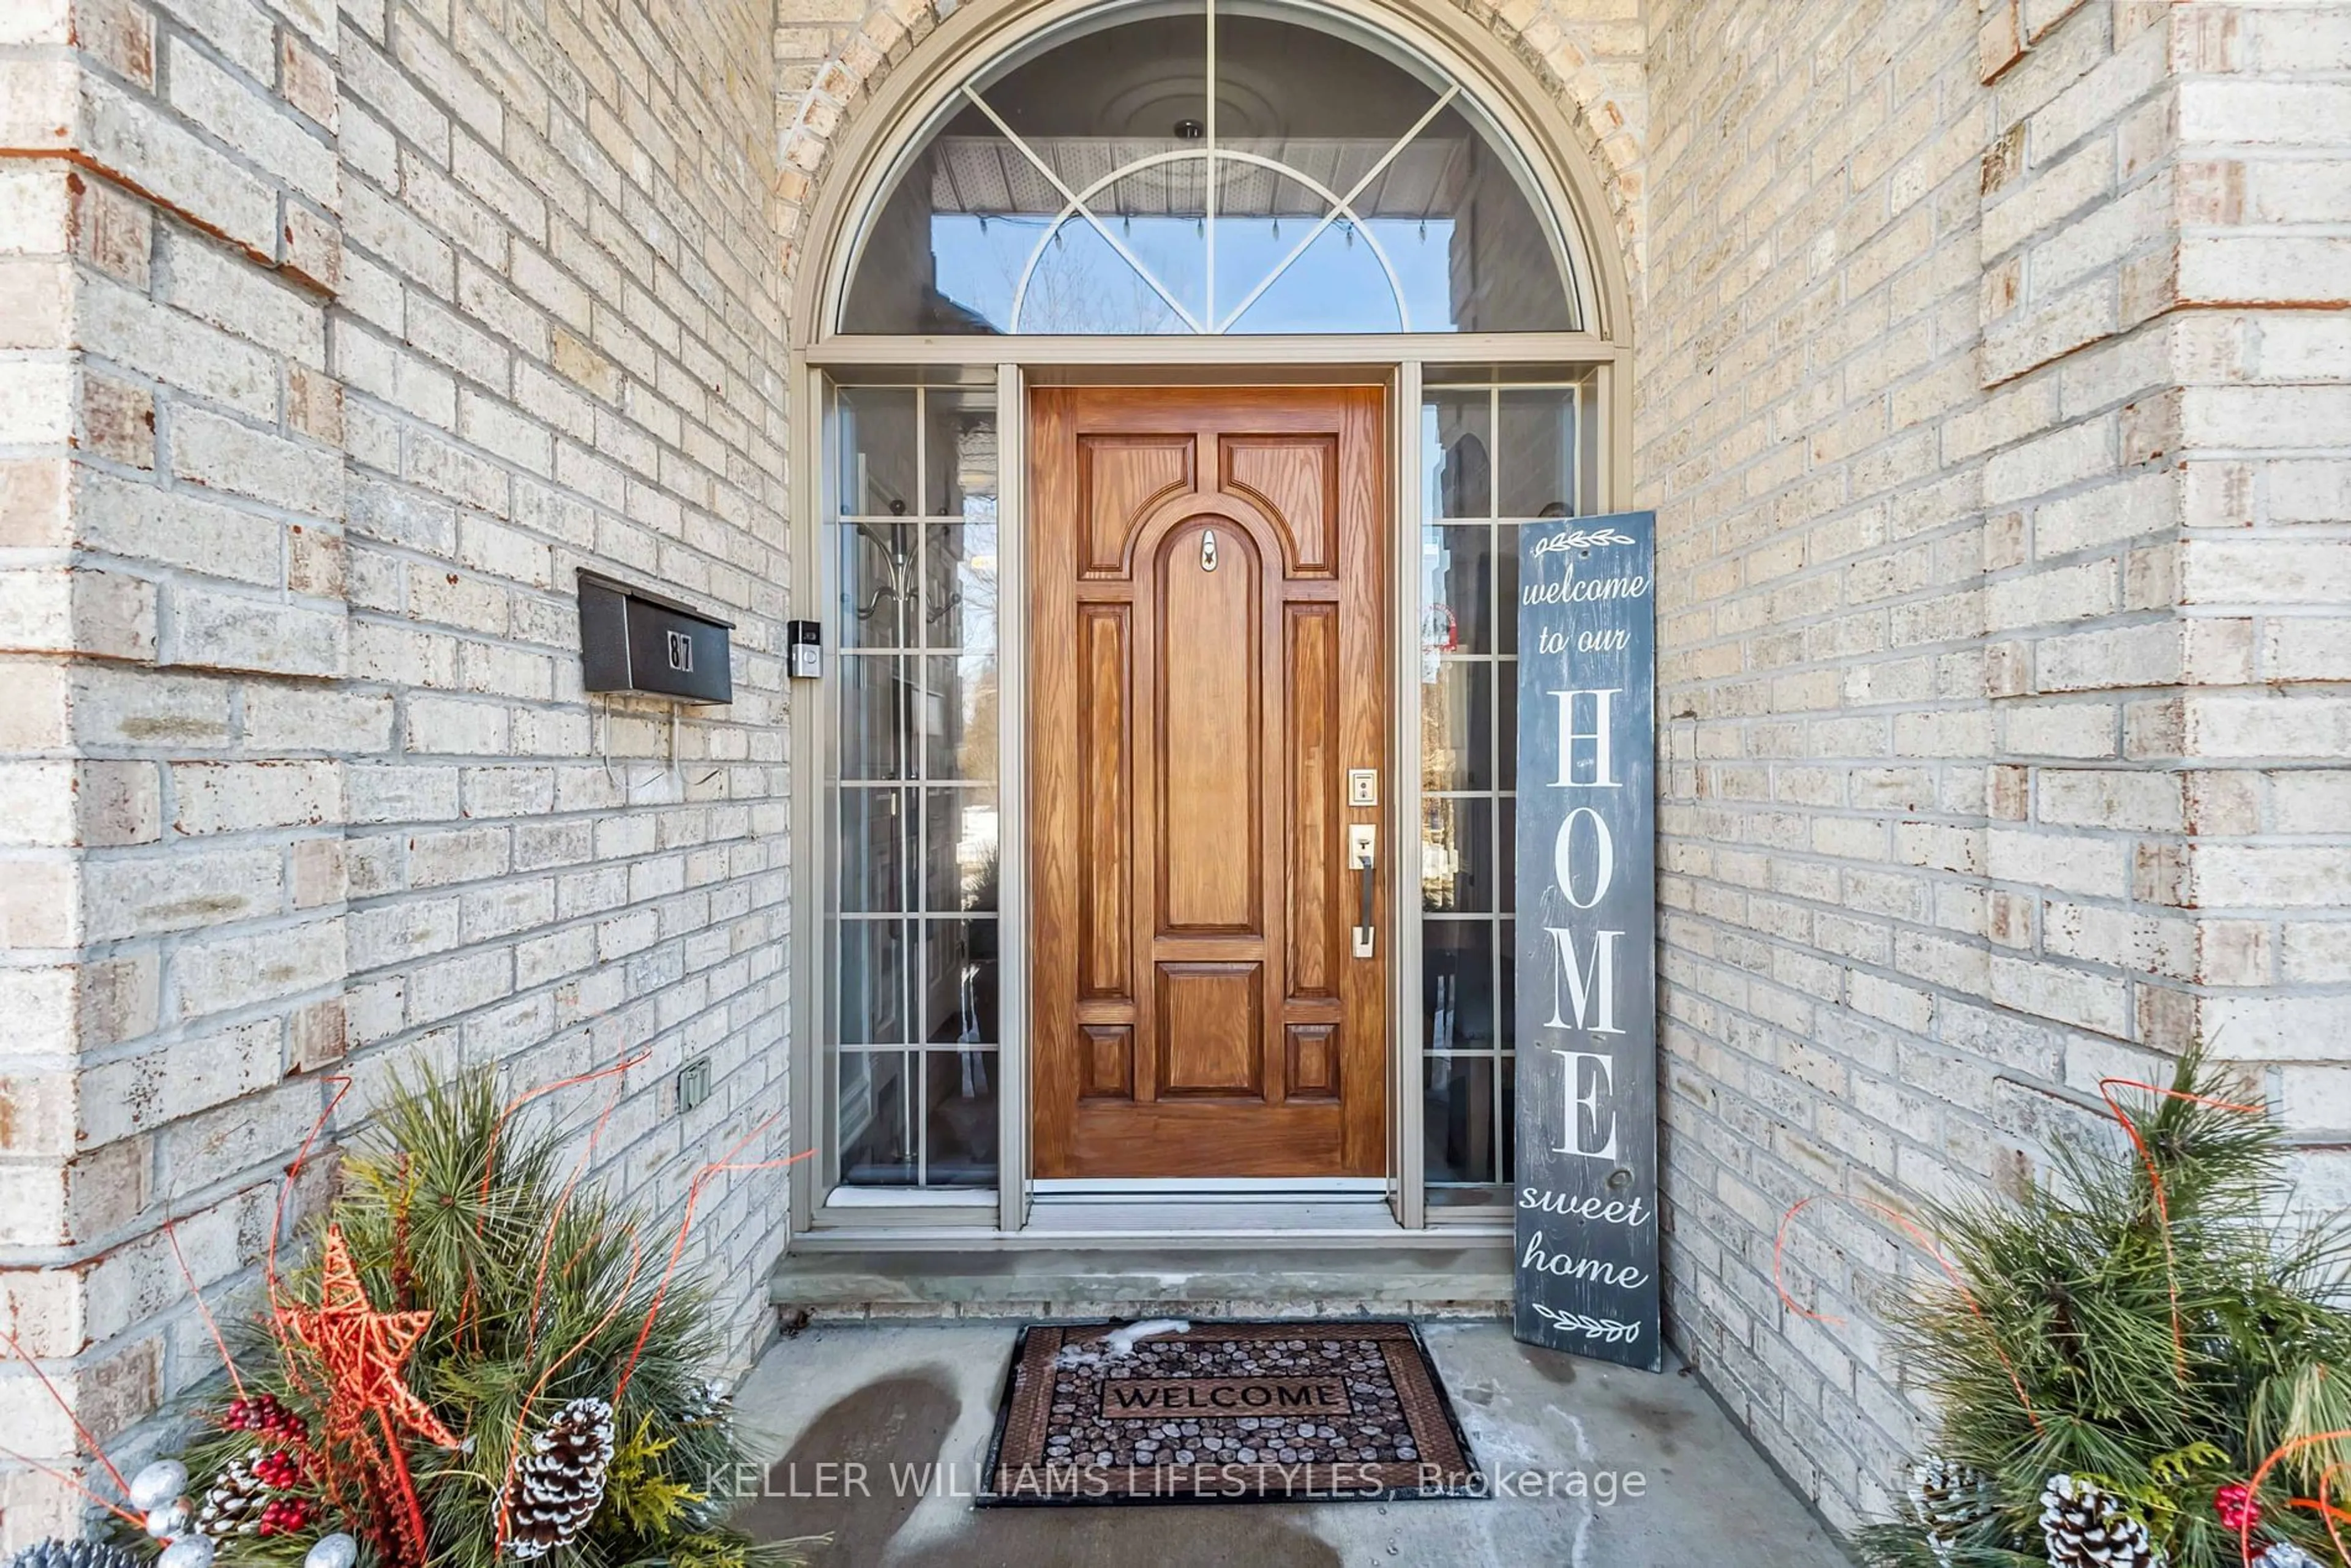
(1989, 397)
(2261, 277)
(333, 344)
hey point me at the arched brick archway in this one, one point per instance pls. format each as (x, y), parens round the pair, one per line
(1584, 58)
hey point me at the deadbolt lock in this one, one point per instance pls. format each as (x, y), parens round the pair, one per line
(1363, 787)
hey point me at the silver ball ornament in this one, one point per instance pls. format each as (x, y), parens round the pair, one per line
(158, 1485)
(171, 1519)
(336, 1550)
(191, 1551)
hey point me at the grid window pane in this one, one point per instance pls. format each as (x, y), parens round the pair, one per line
(1505, 981)
(1457, 985)
(959, 453)
(876, 850)
(1456, 431)
(959, 982)
(1457, 725)
(1456, 857)
(1506, 830)
(1459, 1133)
(1510, 1113)
(959, 1123)
(960, 865)
(877, 447)
(961, 559)
(877, 692)
(915, 688)
(958, 717)
(1537, 430)
(1506, 588)
(873, 561)
(874, 984)
(877, 1093)
(1506, 725)
(1460, 580)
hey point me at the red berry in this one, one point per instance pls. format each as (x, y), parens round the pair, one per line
(284, 1515)
(2236, 1506)
(278, 1468)
(266, 1414)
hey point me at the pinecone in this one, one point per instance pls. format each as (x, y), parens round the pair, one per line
(560, 1482)
(2086, 1526)
(2286, 1554)
(1948, 1498)
(232, 1505)
(56, 1553)
(708, 1403)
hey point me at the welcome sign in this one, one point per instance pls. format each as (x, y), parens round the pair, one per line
(1586, 1192)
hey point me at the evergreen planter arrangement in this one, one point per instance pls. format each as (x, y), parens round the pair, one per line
(2138, 1366)
(483, 1362)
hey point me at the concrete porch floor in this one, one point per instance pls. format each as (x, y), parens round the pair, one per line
(924, 1395)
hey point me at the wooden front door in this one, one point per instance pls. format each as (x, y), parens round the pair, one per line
(1206, 582)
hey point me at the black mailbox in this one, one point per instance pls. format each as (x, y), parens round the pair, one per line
(631, 641)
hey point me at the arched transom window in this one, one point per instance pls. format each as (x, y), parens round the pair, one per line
(1207, 169)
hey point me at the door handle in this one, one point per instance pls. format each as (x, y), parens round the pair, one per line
(1362, 840)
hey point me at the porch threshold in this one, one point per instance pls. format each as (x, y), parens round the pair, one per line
(1439, 1276)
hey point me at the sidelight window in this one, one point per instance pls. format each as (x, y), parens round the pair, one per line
(913, 809)
(1496, 454)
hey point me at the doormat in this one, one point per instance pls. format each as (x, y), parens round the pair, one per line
(1167, 1411)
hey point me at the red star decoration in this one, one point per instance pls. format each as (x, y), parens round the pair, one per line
(363, 1351)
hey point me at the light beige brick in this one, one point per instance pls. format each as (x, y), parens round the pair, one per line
(144, 145)
(240, 797)
(223, 631)
(218, 974)
(139, 1094)
(177, 529)
(209, 283)
(117, 420)
(229, 456)
(141, 895)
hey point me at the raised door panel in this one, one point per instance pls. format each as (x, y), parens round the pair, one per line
(1104, 934)
(1105, 1061)
(1208, 713)
(1311, 840)
(1295, 480)
(1210, 1030)
(1120, 478)
(1312, 1060)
